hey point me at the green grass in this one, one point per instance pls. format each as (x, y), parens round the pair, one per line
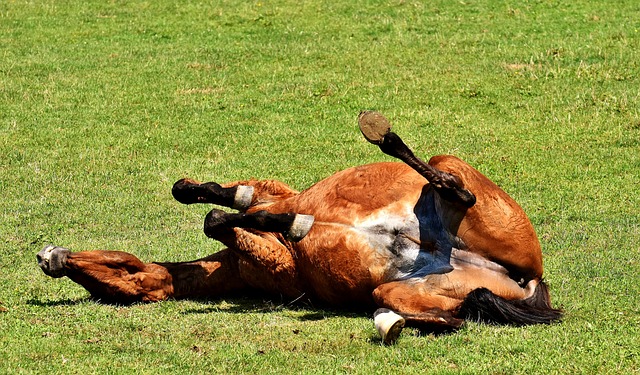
(103, 105)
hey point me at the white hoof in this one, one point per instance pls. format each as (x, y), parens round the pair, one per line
(388, 324)
(300, 227)
(243, 197)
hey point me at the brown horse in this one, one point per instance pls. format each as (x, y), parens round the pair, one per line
(429, 244)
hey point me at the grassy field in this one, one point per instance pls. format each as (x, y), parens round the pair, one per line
(104, 104)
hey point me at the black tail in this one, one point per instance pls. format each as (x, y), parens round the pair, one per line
(482, 305)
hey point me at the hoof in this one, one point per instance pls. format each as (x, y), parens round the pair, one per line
(300, 227)
(373, 126)
(52, 260)
(388, 324)
(214, 220)
(182, 193)
(243, 197)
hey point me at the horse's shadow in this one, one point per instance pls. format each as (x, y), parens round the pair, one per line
(62, 302)
(249, 304)
(236, 305)
(256, 304)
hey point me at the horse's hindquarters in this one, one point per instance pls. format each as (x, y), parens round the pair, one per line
(496, 227)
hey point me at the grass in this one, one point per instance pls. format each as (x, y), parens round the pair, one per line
(103, 105)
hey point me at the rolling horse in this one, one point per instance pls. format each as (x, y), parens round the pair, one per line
(427, 244)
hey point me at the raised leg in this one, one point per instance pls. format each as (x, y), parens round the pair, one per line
(189, 191)
(377, 130)
(293, 226)
(119, 277)
(240, 195)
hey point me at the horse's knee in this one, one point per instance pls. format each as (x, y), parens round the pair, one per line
(380, 293)
(52, 260)
(155, 285)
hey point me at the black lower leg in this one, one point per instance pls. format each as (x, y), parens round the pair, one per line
(188, 192)
(293, 226)
(447, 185)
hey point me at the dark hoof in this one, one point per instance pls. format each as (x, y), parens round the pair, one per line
(183, 192)
(373, 126)
(214, 220)
(52, 260)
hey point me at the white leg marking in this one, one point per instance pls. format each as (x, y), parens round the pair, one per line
(300, 227)
(530, 289)
(388, 324)
(244, 195)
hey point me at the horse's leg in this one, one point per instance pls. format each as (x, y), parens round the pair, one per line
(239, 195)
(264, 248)
(216, 275)
(435, 301)
(377, 130)
(293, 226)
(188, 191)
(410, 302)
(115, 276)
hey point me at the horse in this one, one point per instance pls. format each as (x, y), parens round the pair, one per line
(428, 245)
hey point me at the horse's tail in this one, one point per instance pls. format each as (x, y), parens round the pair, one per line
(482, 305)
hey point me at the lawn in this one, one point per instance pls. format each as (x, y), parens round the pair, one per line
(104, 104)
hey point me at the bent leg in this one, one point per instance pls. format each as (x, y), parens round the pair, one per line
(420, 306)
(119, 277)
(409, 303)
(264, 250)
(377, 130)
(445, 292)
(189, 191)
(433, 302)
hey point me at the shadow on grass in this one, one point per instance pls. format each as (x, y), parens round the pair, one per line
(62, 302)
(235, 305)
(309, 312)
(258, 304)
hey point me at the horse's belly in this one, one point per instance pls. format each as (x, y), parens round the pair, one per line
(373, 224)
(344, 263)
